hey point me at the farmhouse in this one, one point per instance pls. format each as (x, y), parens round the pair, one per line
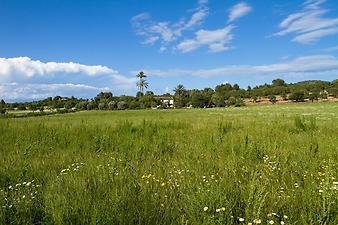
(168, 101)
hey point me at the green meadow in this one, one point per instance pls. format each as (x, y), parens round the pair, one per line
(274, 164)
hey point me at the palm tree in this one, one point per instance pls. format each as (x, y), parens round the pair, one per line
(141, 75)
(142, 83)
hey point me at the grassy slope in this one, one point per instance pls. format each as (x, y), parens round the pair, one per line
(164, 167)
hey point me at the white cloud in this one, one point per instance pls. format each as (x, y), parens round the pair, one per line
(167, 32)
(331, 49)
(21, 74)
(239, 10)
(214, 39)
(302, 66)
(25, 66)
(309, 25)
(16, 91)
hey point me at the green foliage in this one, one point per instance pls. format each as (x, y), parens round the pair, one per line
(91, 105)
(122, 105)
(278, 82)
(112, 105)
(272, 99)
(297, 96)
(313, 96)
(180, 96)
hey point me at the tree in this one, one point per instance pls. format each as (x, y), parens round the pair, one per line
(112, 105)
(313, 96)
(272, 99)
(218, 99)
(197, 99)
(103, 96)
(2, 106)
(122, 105)
(69, 105)
(297, 96)
(142, 83)
(236, 87)
(102, 106)
(81, 105)
(278, 83)
(254, 98)
(91, 105)
(180, 96)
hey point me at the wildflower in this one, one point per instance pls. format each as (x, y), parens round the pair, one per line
(205, 209)
(218, 210)
(24, 196)
(241, 219)
(320, 191)
(10, 187)
(285, 217)
(249, 223)
(282, 222)
(271, 222)
(257, 221)
(223, 209)
(28, 183)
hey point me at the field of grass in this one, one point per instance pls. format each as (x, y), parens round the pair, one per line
(273, 164)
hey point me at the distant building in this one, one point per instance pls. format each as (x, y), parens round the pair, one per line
(168, 101)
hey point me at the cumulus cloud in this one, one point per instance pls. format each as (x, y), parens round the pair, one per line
(302, 66)
(309, 24)
(167, 32)
(27, 92)
(21, 74)
(27, 68)
(239, 10)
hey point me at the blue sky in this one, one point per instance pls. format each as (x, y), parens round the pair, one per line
(61, 47)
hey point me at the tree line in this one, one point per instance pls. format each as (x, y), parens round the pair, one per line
(222, 95)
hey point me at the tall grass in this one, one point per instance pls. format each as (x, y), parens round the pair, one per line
(217, 166)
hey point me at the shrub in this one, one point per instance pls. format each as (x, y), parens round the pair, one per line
(272, 99)
(239, 102)
(122, 105)
(297, 96)
(81, 105)
(231, 101)
(91, 106)
(102, 106)
(112, 105)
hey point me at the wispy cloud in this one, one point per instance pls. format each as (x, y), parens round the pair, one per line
(167, 32)
(217, 40)
(21, 74)
(309, 24)
(302, 66)
(331, 49)
(239, 10)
